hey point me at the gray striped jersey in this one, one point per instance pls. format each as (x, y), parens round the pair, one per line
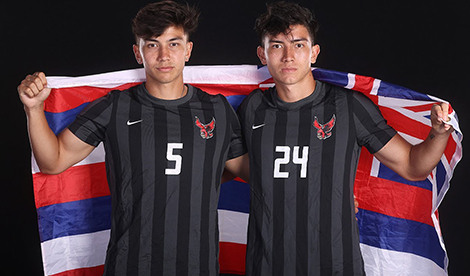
(303, 159)
(164, 161)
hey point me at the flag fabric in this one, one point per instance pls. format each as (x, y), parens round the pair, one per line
(398, 219)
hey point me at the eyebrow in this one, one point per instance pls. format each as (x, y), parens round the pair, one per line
(171, 39)
(292, 41)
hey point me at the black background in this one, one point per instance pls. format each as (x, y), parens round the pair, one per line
(416, 44)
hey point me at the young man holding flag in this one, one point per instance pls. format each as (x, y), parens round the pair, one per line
(166, 145)
(304, 138)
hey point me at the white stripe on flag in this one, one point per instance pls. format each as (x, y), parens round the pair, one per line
(382, 262)
(96, 156)
(351, 81)
(107, 80)
(73, 252)
(233, 226)
(375, 87)
(239, 74)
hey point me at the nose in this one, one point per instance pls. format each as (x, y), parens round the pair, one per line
(164, 54)
(288, 54)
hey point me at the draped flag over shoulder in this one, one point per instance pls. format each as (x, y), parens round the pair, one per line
(398, 219)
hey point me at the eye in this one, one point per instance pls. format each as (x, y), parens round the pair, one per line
(174, 44)
(276, 46)
(299, 45)
(151, 45)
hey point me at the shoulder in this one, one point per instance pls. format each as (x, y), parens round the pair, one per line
(256, 97)
(202, 95)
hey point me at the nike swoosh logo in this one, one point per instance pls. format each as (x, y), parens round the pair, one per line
(129, 123)
(258, 126)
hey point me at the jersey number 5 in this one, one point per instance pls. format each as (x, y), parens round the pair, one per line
(171, 156)
(296, 159)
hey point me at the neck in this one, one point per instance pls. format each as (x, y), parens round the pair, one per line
(295, 92)
(166, 91)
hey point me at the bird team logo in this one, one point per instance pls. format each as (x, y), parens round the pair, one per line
(206, 129)
(324, 131)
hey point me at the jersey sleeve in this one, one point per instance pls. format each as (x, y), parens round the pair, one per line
(90, 125)
(237, 147)
(373, 132)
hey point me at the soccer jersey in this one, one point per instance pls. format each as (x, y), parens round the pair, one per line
(303, 159)
(164, 161)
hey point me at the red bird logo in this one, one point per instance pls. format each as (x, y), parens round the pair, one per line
(206, 129)
(324, 131)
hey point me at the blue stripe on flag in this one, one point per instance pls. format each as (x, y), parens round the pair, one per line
(395, 91)
(386, 173)
(401, 235)
(333, 77)
(59, 121)
(235, 100)
(235, 196)
(440, 176)
(74, 218)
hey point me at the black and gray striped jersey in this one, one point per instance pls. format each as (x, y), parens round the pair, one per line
(164, 161)
(303, 159)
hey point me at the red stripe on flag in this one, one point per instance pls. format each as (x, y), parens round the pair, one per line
(450, 149)
(63, 99)
(227, 89)
(420, 108)
(390, 198)
(232, 258)
(76, 183)
(405, 124)
(363, 84)
(396, 200)
(87, 271)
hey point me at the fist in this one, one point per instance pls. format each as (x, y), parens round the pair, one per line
(440, 115)
(33, 90)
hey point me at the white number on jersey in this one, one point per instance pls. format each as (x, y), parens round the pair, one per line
(170, 156)
(296, 159)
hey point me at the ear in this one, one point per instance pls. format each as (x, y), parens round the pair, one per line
(137, 54)
(261, 55)
(315, 53)
(189, 49)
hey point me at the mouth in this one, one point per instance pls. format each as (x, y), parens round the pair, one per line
(288, 70)
(164, 68)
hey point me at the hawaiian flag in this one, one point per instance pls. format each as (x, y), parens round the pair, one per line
(398, 219)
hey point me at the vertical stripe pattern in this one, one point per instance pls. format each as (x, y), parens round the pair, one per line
(164, 163)
(303, 157)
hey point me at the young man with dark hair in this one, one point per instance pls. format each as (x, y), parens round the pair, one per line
(304, 139)
(166, 144)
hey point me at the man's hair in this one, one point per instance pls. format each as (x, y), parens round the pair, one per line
(155, 18)
(280, 16)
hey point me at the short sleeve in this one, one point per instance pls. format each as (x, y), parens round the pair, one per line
(237, 147)
(373, 132)
(90, 125)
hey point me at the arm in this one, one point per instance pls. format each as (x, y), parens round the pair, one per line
(416, 162)
(239, 166)
(53, 154)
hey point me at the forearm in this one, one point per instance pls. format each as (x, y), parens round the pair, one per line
(44, 143)
(239, 166)
(425, 156)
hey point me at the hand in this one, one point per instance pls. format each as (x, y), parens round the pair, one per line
(439, 115)
(356, 205)
(33, 91)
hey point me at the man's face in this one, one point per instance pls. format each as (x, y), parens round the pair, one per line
(289, 57)
(164, 56)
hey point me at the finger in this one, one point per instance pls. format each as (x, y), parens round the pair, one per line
(28, 86)
(38, 81)
(445, 111)
(436, 112)
(42, 77)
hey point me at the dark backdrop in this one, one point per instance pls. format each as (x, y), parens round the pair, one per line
(415, 44)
